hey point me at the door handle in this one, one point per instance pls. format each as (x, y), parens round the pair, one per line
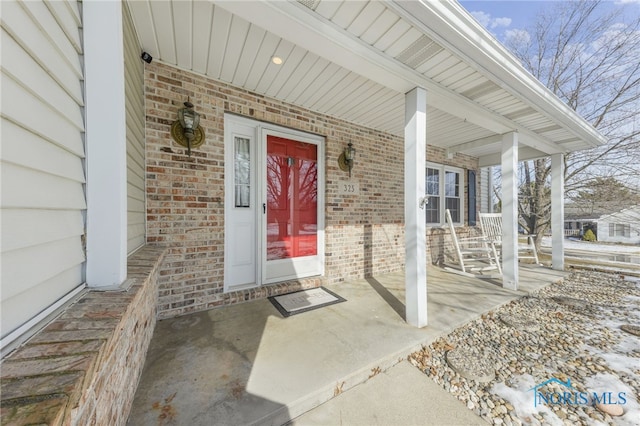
(264, 208)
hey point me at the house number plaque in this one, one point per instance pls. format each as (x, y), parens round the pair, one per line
(348, 187)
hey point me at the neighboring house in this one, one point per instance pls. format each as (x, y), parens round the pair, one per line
(606, 226)
(576, 226)
(579, 218)
(620, 227)
(91, 176)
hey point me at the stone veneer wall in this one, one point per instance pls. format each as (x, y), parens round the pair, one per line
(83, 368)
(364, 234)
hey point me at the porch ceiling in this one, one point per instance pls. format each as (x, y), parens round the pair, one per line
(355, 60)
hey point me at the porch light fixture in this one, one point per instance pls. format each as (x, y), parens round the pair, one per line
(187, 131)
(345, 160)
(276, 60)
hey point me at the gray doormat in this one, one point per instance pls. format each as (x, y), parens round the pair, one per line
(304, 301)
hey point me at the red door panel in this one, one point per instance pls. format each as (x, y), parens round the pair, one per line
(292, 198)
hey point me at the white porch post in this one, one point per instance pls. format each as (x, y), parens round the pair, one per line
(557, 211)
(415, 146)
(510, 211)
(105, 139)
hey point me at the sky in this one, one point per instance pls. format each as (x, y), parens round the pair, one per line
(500, 17)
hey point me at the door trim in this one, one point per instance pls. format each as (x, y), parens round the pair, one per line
(300, 271)
(261, 130)
(236, 126)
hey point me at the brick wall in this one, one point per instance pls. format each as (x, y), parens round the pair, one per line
(364, 234)
(83, 368)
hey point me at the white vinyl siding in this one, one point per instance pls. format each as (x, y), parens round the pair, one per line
(486, 190)
(43, 199)
(134, 93)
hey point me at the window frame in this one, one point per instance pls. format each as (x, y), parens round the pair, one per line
(442, 170)
(622, 230)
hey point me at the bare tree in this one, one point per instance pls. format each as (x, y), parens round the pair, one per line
(590, 58)
(606, 194)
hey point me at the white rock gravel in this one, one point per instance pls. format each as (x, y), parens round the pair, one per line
(568, 331)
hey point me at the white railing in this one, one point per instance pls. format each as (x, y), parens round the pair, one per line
(571, 232)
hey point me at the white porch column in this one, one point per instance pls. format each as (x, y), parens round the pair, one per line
(105, 139)
(510, 211)
(415, 146)
(557, 211)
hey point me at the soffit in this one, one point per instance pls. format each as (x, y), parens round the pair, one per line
(350, 59)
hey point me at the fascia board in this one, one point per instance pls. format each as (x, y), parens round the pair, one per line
(451, 26)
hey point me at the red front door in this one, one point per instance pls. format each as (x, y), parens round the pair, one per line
(292, 198)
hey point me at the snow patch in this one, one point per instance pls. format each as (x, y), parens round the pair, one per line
(628, 345)
(522, 398)
(617, 362)
(588, 246)
(609, 383)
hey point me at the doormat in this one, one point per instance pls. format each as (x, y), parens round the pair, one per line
(304, 301)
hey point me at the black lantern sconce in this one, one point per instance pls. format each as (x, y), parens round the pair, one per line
(345, 160)
(187, 130)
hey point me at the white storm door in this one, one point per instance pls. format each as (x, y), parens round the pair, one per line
(292, 196)
(240, 247)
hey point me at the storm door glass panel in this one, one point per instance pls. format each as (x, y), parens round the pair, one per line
(292, 199)
(433, 195)
(452, 194)
(242, 169)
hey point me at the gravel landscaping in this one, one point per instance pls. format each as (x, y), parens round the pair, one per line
(568, 354)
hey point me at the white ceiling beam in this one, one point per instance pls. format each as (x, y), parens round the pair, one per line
(525, 138)
(524, 154)
(540, 143)
(311, 31)
(314, 33)
(292, 21)
(462, 147)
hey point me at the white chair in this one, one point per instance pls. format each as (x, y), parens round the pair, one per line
(477, 257)
(491, 225)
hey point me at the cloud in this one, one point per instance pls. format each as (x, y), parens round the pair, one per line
(482, 17)
(501, 22)
(619, 2)
(517, 37)
(487, 21)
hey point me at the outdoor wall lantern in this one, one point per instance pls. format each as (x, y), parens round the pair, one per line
(187, 130)
(345, 161)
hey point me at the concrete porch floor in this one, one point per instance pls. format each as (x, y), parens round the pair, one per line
(246, 364)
